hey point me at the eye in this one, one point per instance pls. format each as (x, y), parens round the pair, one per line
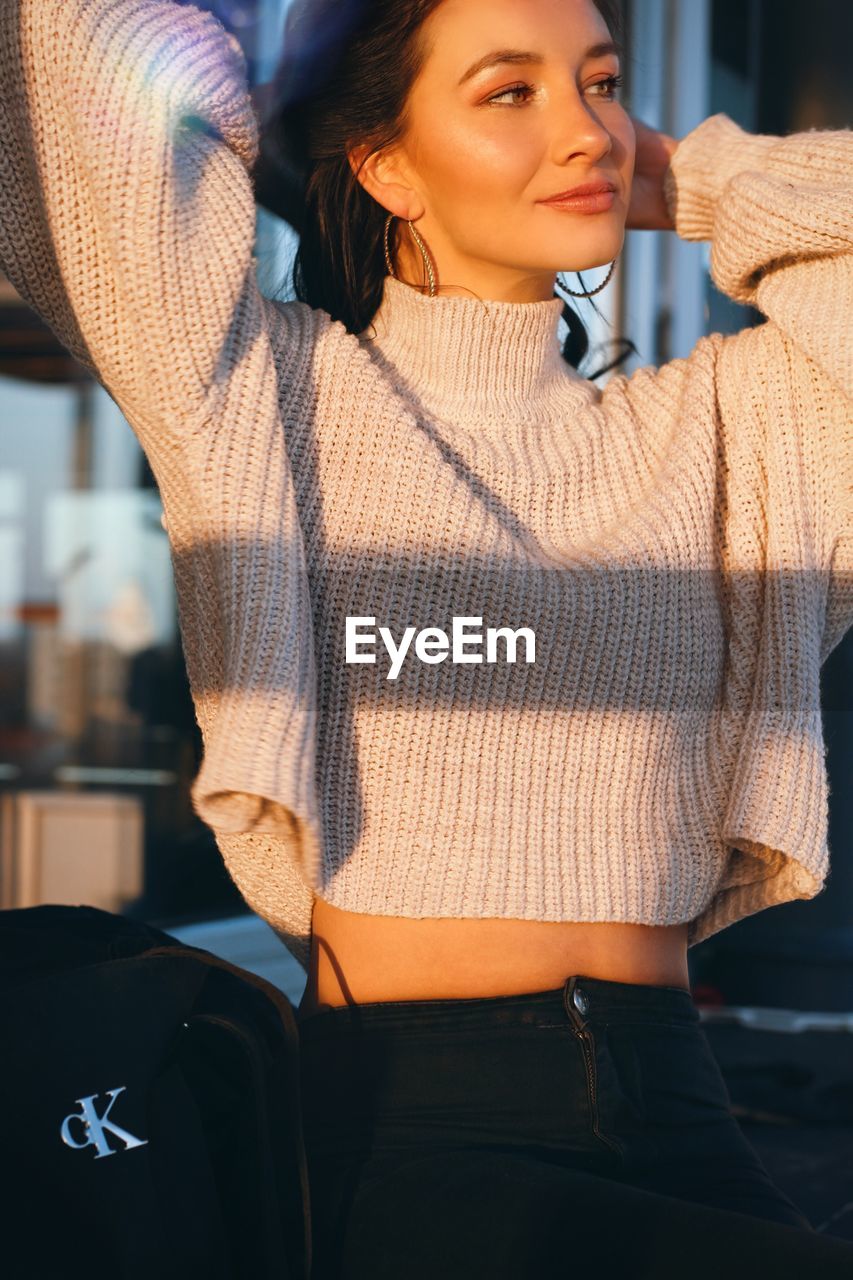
(611, 84)
(516, 88)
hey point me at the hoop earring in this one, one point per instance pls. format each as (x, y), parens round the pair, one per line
(589, 293)
(419, 242)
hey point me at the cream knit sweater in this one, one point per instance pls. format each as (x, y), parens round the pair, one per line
(679, 542)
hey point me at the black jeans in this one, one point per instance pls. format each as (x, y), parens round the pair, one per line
(522, 1136)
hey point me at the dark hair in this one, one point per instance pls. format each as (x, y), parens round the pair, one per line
(343, 79)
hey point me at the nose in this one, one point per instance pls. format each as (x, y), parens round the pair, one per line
(577, 130)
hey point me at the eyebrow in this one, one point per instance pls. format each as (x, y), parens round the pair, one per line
(522, 55)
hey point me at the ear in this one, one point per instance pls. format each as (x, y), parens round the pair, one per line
(382, 175)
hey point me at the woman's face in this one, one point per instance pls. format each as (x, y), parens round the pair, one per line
(484, 147)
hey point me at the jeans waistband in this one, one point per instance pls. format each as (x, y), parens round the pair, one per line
(591, 1000)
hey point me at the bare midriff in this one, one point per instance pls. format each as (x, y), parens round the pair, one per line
(356, 959)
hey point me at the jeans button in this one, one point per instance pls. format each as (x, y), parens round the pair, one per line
(580, 1000)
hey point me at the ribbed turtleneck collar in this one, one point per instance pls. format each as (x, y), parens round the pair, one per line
(466, 360)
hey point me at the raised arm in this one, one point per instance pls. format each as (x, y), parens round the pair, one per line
(764, 417)
(127, 220)
(127, 216)
(779, 214)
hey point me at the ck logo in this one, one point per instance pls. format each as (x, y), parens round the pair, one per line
(95, 1126)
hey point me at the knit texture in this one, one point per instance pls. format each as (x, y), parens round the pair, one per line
(680, 541)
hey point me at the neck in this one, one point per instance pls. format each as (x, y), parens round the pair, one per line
(465, 358)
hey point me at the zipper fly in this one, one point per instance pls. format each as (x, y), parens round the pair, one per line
(588, 1052)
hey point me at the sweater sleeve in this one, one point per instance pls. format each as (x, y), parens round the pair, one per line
(778, 212)
(779, 215)
(127, 217)
(127, 221)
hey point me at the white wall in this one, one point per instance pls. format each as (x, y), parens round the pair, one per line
(36, 466)
(663, 277)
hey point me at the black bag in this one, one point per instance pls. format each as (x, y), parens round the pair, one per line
(151, 1122)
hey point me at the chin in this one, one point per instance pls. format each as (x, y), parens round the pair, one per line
(600, 256)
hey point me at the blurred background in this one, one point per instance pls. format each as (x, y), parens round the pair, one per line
(98, 742)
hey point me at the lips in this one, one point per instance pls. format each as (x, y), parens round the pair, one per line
(586, 189)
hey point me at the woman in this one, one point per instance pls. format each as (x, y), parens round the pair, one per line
(507, 854)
